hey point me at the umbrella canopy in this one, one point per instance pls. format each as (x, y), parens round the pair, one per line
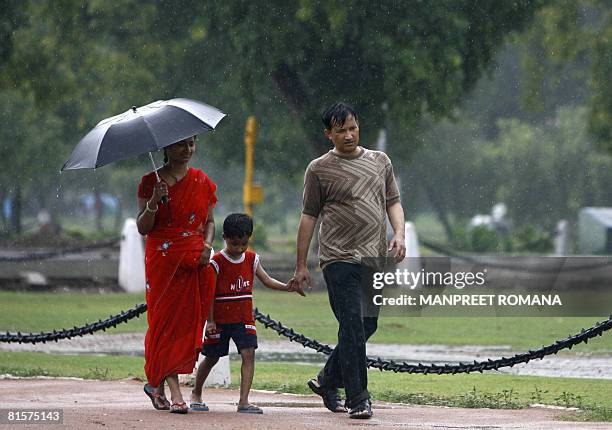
(140, 130)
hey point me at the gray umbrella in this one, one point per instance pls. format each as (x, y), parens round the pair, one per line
(145, 129)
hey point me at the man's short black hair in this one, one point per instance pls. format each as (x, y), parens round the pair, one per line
(237, 226)
(337, 114)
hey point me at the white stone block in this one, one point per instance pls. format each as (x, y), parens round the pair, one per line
(131, 258)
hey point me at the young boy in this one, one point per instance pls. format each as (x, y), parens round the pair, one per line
(231, 315)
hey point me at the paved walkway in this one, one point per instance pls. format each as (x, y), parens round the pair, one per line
(123, 405)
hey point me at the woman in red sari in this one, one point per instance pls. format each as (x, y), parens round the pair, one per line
(180, 282)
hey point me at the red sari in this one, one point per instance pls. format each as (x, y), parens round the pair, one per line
(179, 292)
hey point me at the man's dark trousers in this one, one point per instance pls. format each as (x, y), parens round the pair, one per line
(346, 366)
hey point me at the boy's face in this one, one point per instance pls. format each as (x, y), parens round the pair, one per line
(235, 246)
(344, 137)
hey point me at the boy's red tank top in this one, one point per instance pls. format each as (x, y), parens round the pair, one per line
(234, 290)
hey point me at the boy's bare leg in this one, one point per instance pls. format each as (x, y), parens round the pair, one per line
(247, 370)
(203, 372)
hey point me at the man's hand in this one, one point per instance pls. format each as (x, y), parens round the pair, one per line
(396, 218)
(301, 277)
(293, 285)
(399, 244)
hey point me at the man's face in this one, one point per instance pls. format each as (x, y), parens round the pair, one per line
(345, 137)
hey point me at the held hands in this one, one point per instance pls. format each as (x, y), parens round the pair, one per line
(211, 327)
(293, 285)
(399, 244)
(301, 277)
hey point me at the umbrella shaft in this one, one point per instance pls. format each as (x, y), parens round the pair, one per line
(154, 167)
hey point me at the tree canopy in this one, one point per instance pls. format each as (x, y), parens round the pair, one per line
(64, 65)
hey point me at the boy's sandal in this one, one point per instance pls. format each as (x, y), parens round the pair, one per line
(249, 409)
(198, 407)
(179, 408)
(155, 397)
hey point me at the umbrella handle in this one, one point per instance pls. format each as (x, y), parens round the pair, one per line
(164, 199)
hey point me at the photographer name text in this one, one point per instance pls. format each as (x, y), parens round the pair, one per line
(469, 300)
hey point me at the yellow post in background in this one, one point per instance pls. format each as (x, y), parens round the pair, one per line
(251, 193)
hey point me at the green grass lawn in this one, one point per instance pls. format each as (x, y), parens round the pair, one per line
(474, 390)
(310, 315)
(47, 311)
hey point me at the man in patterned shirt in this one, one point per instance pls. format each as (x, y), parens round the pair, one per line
(352, 190)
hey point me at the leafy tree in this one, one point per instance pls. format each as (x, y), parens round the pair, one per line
(78, 62)
(543, 172)
(415, 56)
(568, 53)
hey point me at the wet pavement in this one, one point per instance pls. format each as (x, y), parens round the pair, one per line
(122, 404)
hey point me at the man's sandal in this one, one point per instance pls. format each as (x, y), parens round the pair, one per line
(331, 397)
(155, 397)
(179, 408)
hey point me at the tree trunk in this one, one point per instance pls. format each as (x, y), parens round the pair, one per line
(290, 86)
(439, 209)
(16, 211)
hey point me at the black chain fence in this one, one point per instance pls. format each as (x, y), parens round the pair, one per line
(55, 335)
(477, 366)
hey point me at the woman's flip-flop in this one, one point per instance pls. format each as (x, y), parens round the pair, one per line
(249, 409)
(179, 408)
(198, 407)
(154, 396)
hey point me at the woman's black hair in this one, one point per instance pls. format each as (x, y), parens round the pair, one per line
(237, 226)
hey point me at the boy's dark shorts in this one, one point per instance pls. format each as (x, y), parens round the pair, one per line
(216, 344)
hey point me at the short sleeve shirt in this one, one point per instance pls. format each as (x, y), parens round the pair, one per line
(350, 195)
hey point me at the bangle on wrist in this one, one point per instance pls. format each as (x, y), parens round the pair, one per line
(148, 209)
(207, 245)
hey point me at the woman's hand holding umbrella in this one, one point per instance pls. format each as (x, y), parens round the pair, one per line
(159, 192)
(147, 214)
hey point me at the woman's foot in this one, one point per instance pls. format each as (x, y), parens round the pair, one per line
(179, 408)
(158, 399)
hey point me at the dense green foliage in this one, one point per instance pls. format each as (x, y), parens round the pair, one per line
(543, 172)
(65, 65)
